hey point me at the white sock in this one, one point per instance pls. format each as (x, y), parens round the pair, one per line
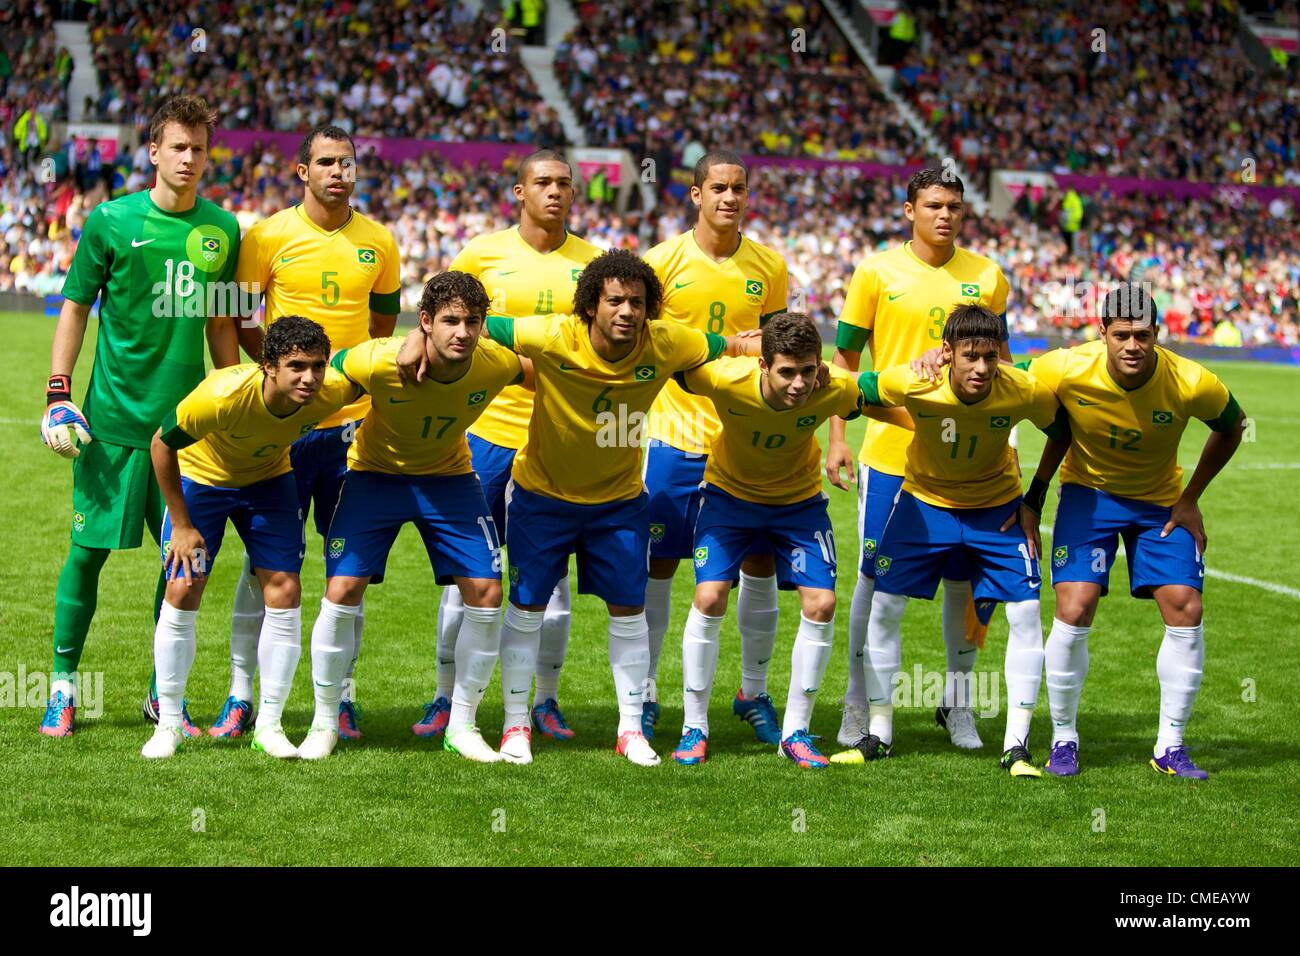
(554, 644)
(451, 610)
(1066, 659)
(245, 626)
(476, 657)
(629, 659)
(68, 685)
(859, 616)
(1178, 665)
(332, 639)
(1023, 670)
(173, 656)
(808, 660)
(658, 610)
(756, 615)
(883, 661)
(349, 681)
(961, 653)
(701, 639)
(278, 650)
(520, 633)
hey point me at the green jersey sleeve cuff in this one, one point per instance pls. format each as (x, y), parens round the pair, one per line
(386, 303)
(336, 362)
(1059, 428)
(851, 338)
(501, 330)
(717, 345)
(173, 436)
(1229, 417)
(680, 379)
(762, 319)
(868, 385)
(1023, 366)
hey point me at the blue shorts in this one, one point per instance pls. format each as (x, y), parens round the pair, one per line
(459, 534)
(672, 478)
(320, 460)
(1089, 525)
(611, 540)
(799, 536)
(492, 464)
(876, 493)
(920, 539)
(265, 514)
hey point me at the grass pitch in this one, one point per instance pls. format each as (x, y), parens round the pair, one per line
(395, 799)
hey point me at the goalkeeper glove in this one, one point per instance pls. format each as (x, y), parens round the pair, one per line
(63, 420)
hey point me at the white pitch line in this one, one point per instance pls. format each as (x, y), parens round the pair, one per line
(1223, 575)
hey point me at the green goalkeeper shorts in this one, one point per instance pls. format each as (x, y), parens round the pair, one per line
(114, 495)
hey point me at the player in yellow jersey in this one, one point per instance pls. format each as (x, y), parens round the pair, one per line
(960, 497)
(716, 280)
(896, 306)
(763, 485)
(411, 463)
(528, 269)
(327, 261)
(224, 454)
(1129, 401)
(576, 484)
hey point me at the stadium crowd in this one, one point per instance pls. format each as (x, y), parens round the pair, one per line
(1163, 91)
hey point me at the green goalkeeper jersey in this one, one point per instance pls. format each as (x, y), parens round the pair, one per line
(159, 276)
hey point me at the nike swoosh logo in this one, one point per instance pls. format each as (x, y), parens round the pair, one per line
(564, 367)
(64, 650)
(506, 272)
(287, 258)
(237, 437)
(1034, 585)
(897, 295)
(1026, 703)
(734, 412)
(524, 691)
(969, 650)
(765, 660)
(399, 401)
(924, 415)
(137, 243)
(877, 700)
(323, 683)
(683, 285)
(1085, 403)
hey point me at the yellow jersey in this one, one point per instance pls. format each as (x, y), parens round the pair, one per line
(896, 306)
(961, 456)
(226, 436)
(333, 278)
(585, 437)
(520, 281)
(420, 429)
(735, 295)
(1126, 443)
(763, 454)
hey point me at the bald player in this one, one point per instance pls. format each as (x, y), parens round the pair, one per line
(528, 269)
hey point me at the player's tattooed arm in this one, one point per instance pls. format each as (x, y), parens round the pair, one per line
(223, 341)
(185, 538)
(839, 457)
(749, 342)
(1225, 438)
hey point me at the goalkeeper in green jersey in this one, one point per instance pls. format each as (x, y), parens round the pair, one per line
(162, 264)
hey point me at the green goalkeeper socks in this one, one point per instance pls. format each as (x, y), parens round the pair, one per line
(74, 605)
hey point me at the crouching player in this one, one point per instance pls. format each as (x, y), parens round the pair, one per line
(1129, 401)
(411, 463)
(762, 486)
(960, 496)
(224, 453)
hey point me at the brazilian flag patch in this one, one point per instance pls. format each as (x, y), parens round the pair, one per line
(477, 398)
(753, 287)
(1000, 421)
(211, 244)
(882, 565)
(1060, 556)
(644, 373)
(970, 290)
(701, 557)
(1162, 417)
(869, 546)
(79, 523)
(514, 574)
(807, 421)
(336, 547)
(656, 532)
(574, 273)
(366, 257)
